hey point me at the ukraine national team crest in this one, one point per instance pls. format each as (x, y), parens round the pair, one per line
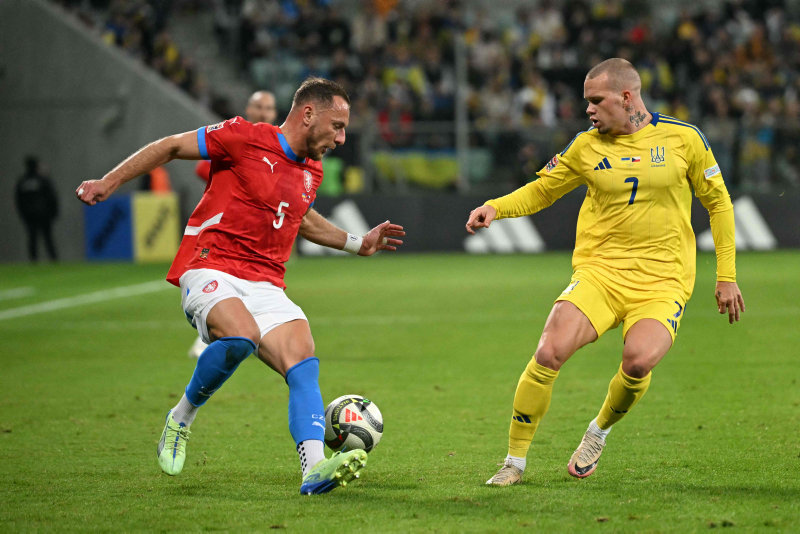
(657, 157)
(210, 287)
(308, 180)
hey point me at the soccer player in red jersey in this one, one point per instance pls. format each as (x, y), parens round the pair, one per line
(260, 108)
(230, 264)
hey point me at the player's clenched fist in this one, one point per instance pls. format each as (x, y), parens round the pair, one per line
(480, 217)
(93, 191)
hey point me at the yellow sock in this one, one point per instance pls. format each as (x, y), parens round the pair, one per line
(623, 393)
(531, 401)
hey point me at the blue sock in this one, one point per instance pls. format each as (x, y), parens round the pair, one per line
(215, 365)
(306, 413)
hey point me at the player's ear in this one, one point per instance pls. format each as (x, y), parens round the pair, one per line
(308, 114)
(627, 99)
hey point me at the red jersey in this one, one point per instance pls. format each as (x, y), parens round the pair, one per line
(251, 211)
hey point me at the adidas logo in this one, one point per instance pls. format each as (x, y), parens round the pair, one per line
(603, 165)
(351, 416)
(506, 236)
(674, 324)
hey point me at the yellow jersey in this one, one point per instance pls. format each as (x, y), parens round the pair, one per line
(635, 222)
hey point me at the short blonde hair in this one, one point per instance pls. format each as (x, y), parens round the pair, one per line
(622, 75)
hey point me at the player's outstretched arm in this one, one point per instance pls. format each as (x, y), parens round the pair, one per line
(480, 217)
(319, 230)
(144, 160)
(729, 300)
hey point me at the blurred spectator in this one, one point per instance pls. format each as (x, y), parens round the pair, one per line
(533, 103)
(369, 31)
(344, 69)
(395, 122)
(37, 204)
(495, 102)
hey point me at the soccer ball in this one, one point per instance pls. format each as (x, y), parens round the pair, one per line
(353, 422)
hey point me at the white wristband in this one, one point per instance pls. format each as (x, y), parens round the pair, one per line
(353, 243)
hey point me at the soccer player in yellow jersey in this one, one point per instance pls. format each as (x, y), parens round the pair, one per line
(634, 258)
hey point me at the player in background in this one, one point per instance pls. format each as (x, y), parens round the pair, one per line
(230, 264)
(634, 257)
(260, 108)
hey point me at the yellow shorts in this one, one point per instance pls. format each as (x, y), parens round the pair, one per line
(607, 302)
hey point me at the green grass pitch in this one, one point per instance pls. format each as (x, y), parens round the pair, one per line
(438, 342)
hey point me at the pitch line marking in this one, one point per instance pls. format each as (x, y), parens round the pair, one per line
(17, 292)
(109, 325)
(88, 298)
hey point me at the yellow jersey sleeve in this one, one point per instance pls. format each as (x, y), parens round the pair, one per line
(706, 178)
(557, 178)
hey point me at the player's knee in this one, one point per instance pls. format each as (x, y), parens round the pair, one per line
(638, 361)
(251, 333)
(293, 357)
(302, 348)
(295, 349)
(254, 336)
(636, 367)
(550, 355)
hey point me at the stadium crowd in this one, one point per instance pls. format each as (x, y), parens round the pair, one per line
(732, 67)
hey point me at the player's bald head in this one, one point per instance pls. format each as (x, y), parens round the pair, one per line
(622, 75)
(261, 96)
(261, 107)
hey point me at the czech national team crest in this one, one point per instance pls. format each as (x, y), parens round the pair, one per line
(210, 287)
(308, 180)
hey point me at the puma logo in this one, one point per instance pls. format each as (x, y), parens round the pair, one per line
(271, 165)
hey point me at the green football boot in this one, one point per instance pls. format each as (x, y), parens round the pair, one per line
(338, 470)
(172, 447)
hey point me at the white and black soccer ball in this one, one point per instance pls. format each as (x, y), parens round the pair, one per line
(353, 422)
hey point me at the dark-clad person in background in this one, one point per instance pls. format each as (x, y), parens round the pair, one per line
(37, 204)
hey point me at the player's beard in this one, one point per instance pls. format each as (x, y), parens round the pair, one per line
(314, 150)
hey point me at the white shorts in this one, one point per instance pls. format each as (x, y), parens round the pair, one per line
(201, 289)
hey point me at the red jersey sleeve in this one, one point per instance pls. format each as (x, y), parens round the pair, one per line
(224, 141)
